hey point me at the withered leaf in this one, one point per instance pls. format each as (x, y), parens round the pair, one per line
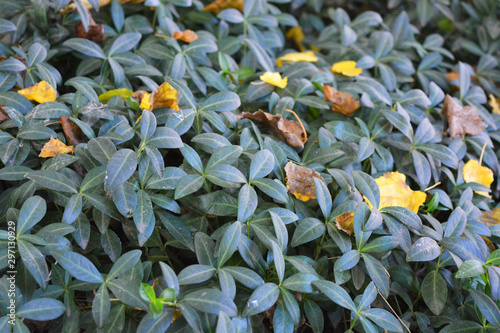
(95, 32)
(462, 119)
(345, 222)
(287, 130)
(55, 147)
(299, 181)
(187, 35)
(219, 5)
(72, 132)
(3, 115)
(491, 217)
(342, 103)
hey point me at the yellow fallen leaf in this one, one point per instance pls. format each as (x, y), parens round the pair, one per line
(307, 56)
(342, 103)
(395, 192)
(55, 147)
(474, 172)
(124, 93)
(165, 96)
(219, 5)
(347, 68)
(72, 7)
(297, 36)
(494, 103)
(145, 101)
(41, 92)
(345, 222)
(187, 35)
(274, 79)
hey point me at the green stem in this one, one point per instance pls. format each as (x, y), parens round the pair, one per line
(404, 160)
(320, 245)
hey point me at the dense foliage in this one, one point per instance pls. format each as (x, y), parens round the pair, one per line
(142, 191)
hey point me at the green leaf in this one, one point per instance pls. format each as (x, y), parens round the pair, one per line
(124, 43)
(424, 249)
(434, 292)
(263, 298)
(101, 149)
(187, 185)
(32, 211)
(470, 268)
(347, 261)
(120, 168)
(211, 301)
(147, 292)
(52, 180)
(165, 137)
(224, 324)
(192, 158)
(405, 216)
(323, 196)
(245, 276)
(195, 274)
(12, 173)
(150, 324)
(41, 309)
(367, 186)
(78, 266)
(143, 213)
(300, 282)
(85, 47)
(101, 305)
(127, 291)
(274, 189)
(314, 316)
(247, 202)
(462, 326)
(487, 307)
(440, 152)
(307, 230)
(384, 319)
(73, 209)
(103, 204)
(225, 155)
(35, 262)
(261, 55)
(229, 243)
(377, 273)
(93, 178)
(225, 172)
(335, 293)
(262, 164)
(35, 132)
(123, 264)
(221, 102)
(177, 228)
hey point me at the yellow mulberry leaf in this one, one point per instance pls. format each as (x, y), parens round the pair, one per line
(55, 147)
(123, 93)
(395, 192)
(347, 68)
(274, 79)
(41, 92)
(307, 56)
(474, 172)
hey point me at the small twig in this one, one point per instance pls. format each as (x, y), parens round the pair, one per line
(431, 187)
(300, 122)
(393, 310)
(482, 153)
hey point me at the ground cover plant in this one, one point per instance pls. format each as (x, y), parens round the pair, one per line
(249, 166)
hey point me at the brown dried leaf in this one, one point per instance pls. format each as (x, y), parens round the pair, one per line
(342, 103)
(187, 35)
(462, 119)
(95, 33)
(55, 147)
(299, 181)
(287, 130)
(165, 96)
(3, 115)
(345, 222)
(138, 95)
(491, 217)
(72, 132)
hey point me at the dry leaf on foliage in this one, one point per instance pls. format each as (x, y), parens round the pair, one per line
(165, 96)
(491, 217)
(300, 182)
(274, 79)
(187, 35)
(345, 222)
(287, 130)
(340, 102)
(219, 5)
(55, 147)
(72, 7)
(3, 115)
(297, 36)
(346, 68)
(462, 119)
(41, 92)
(495, 104)
(72, 132)
(95, 32)
(474, 172)
(307, 56)
(395, 192)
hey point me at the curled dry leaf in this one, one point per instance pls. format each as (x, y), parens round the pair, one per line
(219, 5)
(3, 115)
(165, 96)
(72, 132)
(288, 130)
(495, 104)
(345, 222)
(41, 92)
(55, 147)
(340, 102)
(462, 119)
(187, 35)
(300, 182)
(95, 32)
(395, 192)
(474, 172)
